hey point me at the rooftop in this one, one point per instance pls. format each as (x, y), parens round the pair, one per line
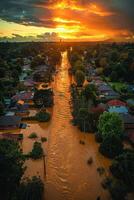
(9, 121)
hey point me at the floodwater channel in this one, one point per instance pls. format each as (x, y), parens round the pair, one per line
(68, 176)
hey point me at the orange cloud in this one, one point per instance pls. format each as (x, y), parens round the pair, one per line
(78, 19)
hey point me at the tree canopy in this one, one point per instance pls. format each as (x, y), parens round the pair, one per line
(11, 168)
(110, 123)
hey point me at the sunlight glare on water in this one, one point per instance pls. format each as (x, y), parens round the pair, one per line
(68, 175)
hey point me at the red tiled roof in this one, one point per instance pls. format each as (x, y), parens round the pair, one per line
(23, 96)
(116, 102)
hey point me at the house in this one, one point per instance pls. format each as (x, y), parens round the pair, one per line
(128, 121)
(10, 136)
(24, 95)
(116, 102)
(29, 83)
(111, 95)
(118, 109)
(130, 134)
(9, 122)
(103, 88)
(20, 108)
(130, 103)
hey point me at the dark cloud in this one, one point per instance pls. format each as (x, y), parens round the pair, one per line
(25, 12)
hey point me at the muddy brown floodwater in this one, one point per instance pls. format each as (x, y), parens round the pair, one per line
(68, 177)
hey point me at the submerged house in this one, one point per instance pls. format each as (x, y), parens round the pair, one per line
(9, 122)
(118, 109)
(25, 96)
(128, 121)
(106, 92)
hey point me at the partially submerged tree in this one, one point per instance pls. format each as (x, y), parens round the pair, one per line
(11, 168)
(122, 168)
(79, 78)
(31, 189)
(110, 123)
(111, 146)
(37, 151)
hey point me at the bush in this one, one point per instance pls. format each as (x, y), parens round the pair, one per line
(101, 170)
(106, 183)
(90, 161)
(20, 137)
(43, 139)
(122, 168)
(43, 116)
(118, 190)
(33, 135)
(31, 189)
(111, 146)
(37, 151)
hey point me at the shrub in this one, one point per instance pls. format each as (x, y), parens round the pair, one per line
(118, 190)
(43, 139)
(106, 183)
(90, 161)
(20, 137)
(82, 142)
(37, 151)
(33, 135)
(122, 168)
(43, 116)
(101, 170)
(111, 146)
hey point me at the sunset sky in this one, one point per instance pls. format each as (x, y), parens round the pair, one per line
(79, 20)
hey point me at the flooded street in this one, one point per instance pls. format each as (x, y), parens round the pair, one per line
(68, 177)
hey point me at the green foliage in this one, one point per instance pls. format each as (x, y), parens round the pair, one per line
(31, 189)
(37, 151)
(11, 168)
(111, 146)
(89, 91)
(20, 137)
(78, 66)
(118, 190)
(79, 78)
(43, 139)
(110, 123)
(84, 120)
(123, 169)
(43, 98)
(43, 116)
(33, 135)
